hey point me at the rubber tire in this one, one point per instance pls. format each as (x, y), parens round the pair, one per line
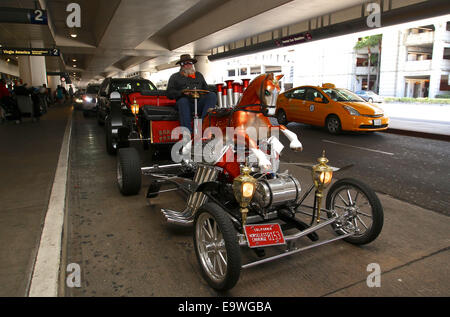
(109, 138)
(282, 119)
(377, 210)
(370, 100)
(128, 160)
(338, 129)
(231, 245)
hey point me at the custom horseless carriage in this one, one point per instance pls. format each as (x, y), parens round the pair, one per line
(239, 200)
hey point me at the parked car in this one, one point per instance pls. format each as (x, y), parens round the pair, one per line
(334, 108)
(369, 96)
(90, 99)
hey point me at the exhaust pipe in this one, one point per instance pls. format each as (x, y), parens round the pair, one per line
(219, 95)
(230, 92)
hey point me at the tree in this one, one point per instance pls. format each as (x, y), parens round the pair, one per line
(371, 41)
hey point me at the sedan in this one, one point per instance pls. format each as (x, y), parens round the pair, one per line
(370, 96)
(334, 108)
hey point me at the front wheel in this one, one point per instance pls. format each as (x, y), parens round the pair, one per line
(333, 124)
(129, 171)
(216, 247)
(359, 208)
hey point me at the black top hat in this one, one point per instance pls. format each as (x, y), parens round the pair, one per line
(186, 58)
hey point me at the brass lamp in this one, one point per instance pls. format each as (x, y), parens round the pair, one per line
(134, 107)
(322, 175)
(244, 187)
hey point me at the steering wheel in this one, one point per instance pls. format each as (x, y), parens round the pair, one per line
(195, 93)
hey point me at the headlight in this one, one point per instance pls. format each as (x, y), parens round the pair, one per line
(325, 177)
(351, 110)
(248, 190)
(134, 109)
(322, 173)
(87, 98)
(244, 187)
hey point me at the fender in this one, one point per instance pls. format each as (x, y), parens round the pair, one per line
(207, 187)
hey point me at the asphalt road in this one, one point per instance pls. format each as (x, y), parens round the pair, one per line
(124, 246)
(411, 169)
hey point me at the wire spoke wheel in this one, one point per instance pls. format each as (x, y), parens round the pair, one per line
(358, 208)
(214, 258)
(216, 247)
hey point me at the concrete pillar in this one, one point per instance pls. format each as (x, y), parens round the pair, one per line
(437, 58)
(53, 82)
(32, 69)
(203, 66)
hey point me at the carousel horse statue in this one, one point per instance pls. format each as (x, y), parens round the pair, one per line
(256, 104)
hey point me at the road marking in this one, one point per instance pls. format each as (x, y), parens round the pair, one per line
(357, 147)
(44, 282)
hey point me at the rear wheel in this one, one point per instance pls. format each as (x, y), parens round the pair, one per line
(281, 117)
(217, 247)
(370, 100)
(129, 171)
(333, 124)
(359, 207)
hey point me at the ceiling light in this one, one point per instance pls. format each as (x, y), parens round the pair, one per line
(74, 65)
(74, 60)
(73, 35)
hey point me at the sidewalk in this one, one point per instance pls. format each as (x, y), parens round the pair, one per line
(28, 157)
(425, 120)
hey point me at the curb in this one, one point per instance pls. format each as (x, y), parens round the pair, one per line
(425, 135)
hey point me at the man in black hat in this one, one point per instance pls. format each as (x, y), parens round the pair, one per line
(188, 78)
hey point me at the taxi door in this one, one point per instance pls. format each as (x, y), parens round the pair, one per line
(296, 102)
(316, 107)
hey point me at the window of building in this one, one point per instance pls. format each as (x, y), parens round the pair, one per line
(243, 71)
(231, 73)
(273, 69)
(446, 53)
(255, 70)
(444, 86)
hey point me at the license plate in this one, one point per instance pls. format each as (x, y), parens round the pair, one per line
(264, 235)
(377, 122)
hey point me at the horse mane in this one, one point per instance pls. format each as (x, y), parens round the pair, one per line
(251, 94)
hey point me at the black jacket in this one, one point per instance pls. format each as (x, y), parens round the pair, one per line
(178, 82)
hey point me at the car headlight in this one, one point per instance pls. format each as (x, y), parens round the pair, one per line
(248, 189)
(87, 98)
(352, 111)
(244, 189)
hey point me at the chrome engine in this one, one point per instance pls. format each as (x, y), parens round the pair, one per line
(272, 193)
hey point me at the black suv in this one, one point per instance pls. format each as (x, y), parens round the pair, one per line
(121, 85)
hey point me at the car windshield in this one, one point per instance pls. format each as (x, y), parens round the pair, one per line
(92, 89)
(132, 85)
(342, 95)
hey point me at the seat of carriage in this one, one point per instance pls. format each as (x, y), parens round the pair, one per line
(157, 105)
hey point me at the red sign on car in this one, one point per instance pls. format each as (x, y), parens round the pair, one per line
(264, 235)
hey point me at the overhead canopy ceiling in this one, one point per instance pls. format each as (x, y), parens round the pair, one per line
(117, 34)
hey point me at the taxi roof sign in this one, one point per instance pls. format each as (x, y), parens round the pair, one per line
(328, 85)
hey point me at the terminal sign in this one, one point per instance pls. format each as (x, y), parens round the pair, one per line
(30, 51)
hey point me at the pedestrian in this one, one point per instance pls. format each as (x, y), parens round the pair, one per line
(59, 94)
(189, 78)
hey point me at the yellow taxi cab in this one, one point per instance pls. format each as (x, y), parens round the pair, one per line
(327, 106)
